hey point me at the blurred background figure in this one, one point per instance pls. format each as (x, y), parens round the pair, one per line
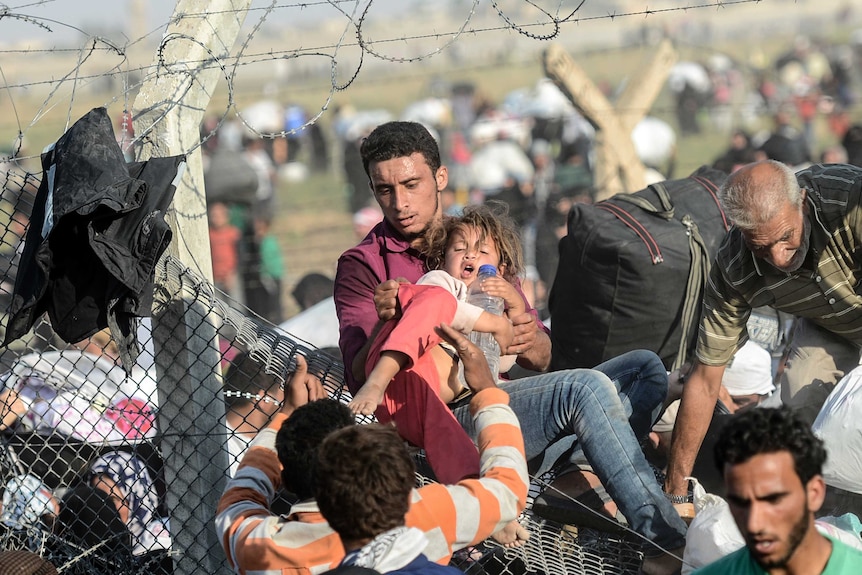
(224, 248)
(364, 220)
(739, 152)
(127, 481)
(312, 288)
(264, 274)
(28, 503)
(252, 397)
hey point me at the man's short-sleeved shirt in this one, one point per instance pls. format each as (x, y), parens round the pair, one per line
(844, 560)
(824, 291)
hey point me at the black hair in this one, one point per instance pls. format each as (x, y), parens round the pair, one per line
(299, 438)
(363, 479)
(246, 376)
(312, 288)
(88, 517)
(397, 140)
(771, 430)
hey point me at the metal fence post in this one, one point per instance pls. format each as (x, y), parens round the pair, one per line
(168, 112)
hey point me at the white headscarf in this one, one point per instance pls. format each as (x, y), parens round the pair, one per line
(749, 372)
(389, 551)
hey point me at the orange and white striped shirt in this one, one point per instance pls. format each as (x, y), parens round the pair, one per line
(257, 542)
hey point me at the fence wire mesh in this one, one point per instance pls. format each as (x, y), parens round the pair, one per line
(104, 471)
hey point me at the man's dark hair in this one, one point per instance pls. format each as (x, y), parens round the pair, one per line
(771, 430)
(312, 288)
(399, 139)
(364, 476)
(300, 437)
(246, 376)
(852, 142)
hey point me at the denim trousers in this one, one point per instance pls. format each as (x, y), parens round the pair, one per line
(640, 379)
(593, 408)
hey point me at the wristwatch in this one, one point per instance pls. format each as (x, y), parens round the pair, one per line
(679, 499)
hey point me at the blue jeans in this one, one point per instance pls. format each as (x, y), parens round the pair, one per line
(641, 382)
(587, 405)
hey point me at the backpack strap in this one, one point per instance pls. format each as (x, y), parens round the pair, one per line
(698, 271)
(666, 210)
(712, 190)
(631, 222)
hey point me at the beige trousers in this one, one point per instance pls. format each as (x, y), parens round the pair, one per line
(816, 360)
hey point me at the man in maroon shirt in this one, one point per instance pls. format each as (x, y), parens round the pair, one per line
(598, 408)
(408, 191)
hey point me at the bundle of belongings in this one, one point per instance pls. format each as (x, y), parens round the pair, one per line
(83, 397)
(632, 270)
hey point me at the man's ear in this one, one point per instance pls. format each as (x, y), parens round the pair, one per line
(442, 178)
(815, 491)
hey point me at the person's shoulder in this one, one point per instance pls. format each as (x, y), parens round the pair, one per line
(732, 242)
(844, 559)
(369, 245)
(829, 178)
(442, 279)
(436, 276)
(835, 191)
(733, 256)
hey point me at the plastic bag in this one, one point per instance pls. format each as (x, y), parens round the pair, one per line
(712, 533)
(845, 528)
(840, 428)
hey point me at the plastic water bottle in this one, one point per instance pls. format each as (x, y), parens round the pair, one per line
(491, 304)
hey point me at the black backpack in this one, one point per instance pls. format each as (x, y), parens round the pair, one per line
(632, 271)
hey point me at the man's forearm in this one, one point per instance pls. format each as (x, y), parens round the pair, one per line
(692, 422)
(538, 357)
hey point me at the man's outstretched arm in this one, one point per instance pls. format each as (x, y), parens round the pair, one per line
(455, 516)
(699, 395)
(243, 520)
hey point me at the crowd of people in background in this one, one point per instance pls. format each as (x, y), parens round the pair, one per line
(532, 149)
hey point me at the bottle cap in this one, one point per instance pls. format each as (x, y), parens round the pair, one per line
(488, 269)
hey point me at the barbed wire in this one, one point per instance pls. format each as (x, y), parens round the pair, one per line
(356, 20)
(366, 45)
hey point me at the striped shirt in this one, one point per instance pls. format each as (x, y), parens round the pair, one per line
(257, 542)
(824, 291)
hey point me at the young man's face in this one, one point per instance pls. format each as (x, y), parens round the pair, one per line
(408, 193)
(772, 508)
(782, 241)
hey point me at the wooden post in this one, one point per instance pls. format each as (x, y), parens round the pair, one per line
(618, 168)
(168, 113)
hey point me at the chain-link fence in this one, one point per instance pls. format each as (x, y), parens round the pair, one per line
(107, 470)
